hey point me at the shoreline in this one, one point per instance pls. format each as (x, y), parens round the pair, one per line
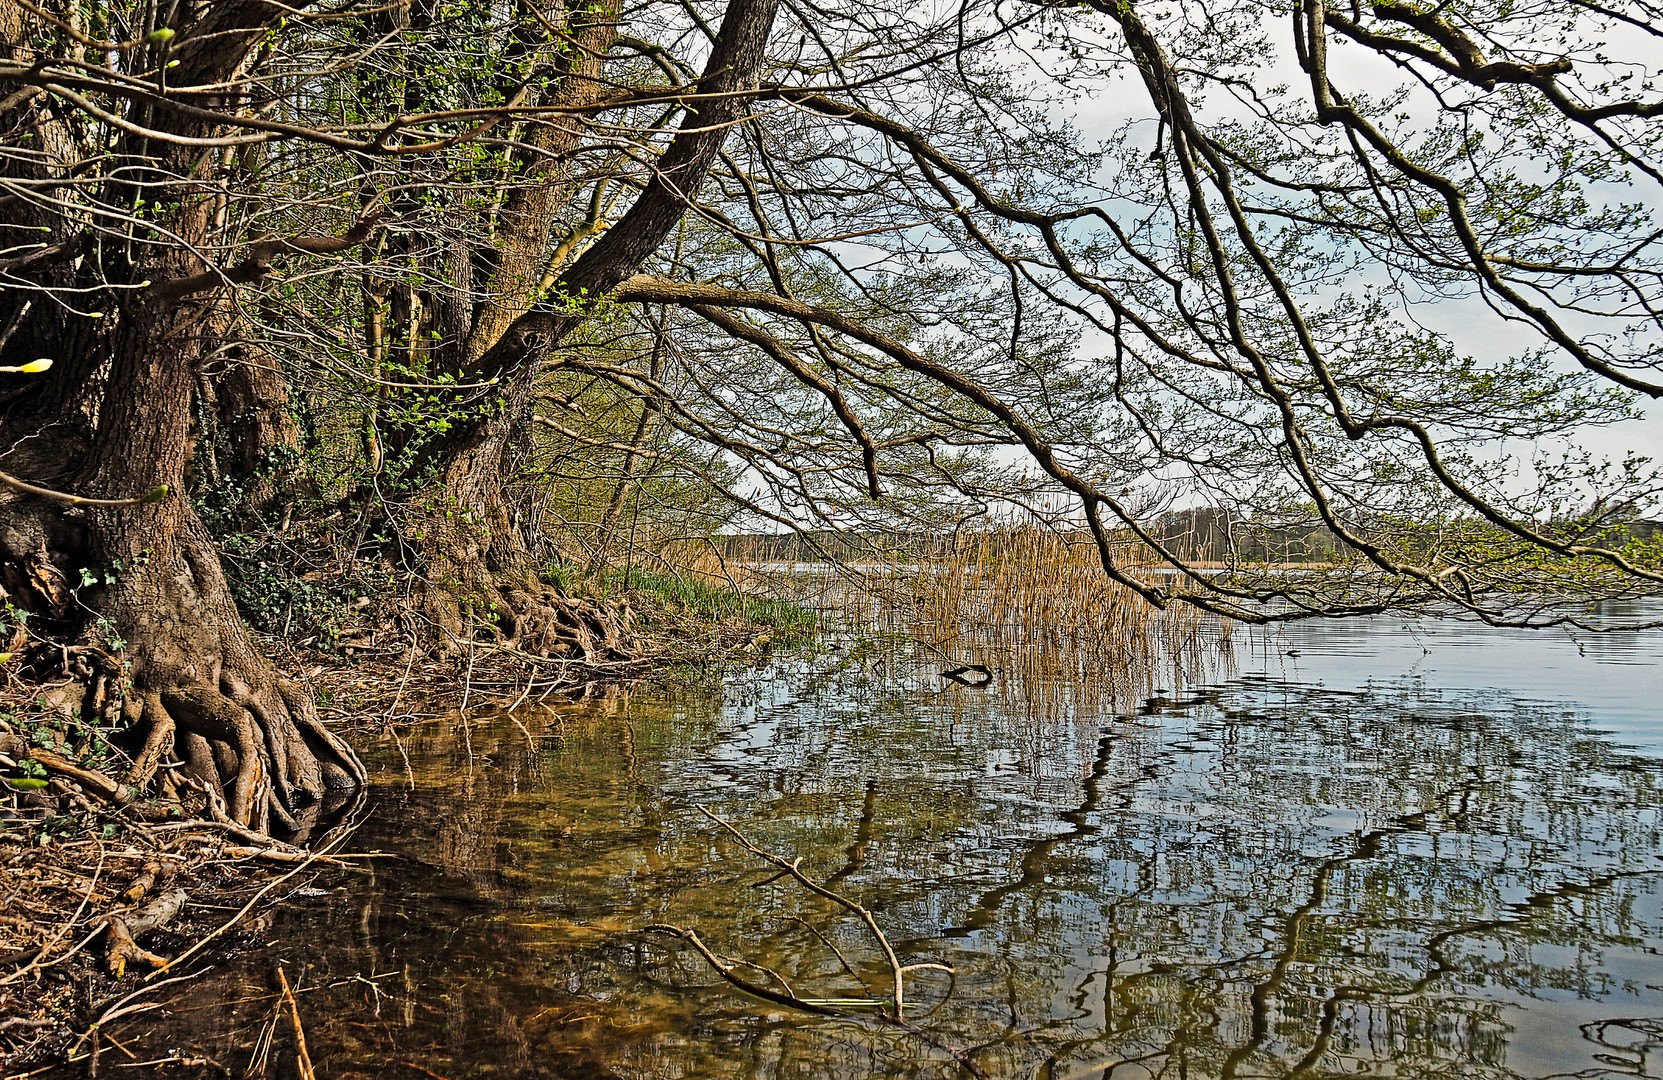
(78, 866)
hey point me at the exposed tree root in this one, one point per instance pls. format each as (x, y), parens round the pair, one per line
(192, 704)
(535, 618)
(481, 585)
(122, 928)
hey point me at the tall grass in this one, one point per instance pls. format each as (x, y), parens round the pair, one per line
(1028, 601)
(713, 598)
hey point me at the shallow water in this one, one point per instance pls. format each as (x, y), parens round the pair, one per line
(1406, 849)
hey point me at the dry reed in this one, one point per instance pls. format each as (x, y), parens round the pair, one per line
(1029, 602)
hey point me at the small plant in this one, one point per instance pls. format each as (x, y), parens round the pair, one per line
(30, 775)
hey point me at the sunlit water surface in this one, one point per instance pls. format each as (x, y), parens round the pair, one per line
(1369, 848)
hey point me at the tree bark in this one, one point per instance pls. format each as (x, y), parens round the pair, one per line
(111, 420)
(480, 571)
(253, 440)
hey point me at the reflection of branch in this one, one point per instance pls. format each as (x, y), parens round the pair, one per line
(856, 855)
(727, 967)
(724, 966)
(1036, 854)
(1366, 848)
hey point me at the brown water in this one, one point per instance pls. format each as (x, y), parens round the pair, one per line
(1374, 865)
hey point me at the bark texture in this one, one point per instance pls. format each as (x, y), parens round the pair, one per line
(112, 420)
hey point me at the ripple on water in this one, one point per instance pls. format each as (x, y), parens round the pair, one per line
(1406, 851)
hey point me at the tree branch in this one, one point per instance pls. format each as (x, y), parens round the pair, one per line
(258, 263)
(155, 494)
(776, 349)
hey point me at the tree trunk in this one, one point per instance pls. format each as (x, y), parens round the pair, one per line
(253, 439)
(111, 421)
(481, 573)
(482, 579)
(146, 579)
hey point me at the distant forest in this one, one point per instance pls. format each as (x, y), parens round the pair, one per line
(1201, 534)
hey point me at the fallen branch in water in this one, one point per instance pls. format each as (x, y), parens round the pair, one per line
(303, 1060)
(891, 1012)
(310, 860)
(725, 967)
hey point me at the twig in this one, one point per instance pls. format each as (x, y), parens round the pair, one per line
(63, 931)
(303, 1059)
(155, 494)
(234, 920)
(262, 1045)
(890, 1012)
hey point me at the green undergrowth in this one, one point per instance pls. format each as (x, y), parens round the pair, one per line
(33, 811)
(699, 599)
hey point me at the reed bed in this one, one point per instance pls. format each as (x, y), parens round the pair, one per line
(1028, 602)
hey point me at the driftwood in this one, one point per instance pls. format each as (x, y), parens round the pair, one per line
(122, 930)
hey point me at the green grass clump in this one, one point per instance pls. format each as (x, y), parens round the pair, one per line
(699, 598)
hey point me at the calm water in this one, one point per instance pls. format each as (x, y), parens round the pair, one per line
(1403, 850)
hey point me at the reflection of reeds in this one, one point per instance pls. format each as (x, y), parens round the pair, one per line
(1031, 601)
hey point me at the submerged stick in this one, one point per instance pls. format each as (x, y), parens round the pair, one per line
(794, 869)
(891, 1012)
(303, 1060)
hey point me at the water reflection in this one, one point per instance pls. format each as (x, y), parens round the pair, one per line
(1261, 877)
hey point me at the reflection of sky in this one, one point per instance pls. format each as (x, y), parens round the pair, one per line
(1465, 876)
(1617, 679)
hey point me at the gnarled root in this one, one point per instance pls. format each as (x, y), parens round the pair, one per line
(261, 752)
(481, 584)
(259, 756)
(196, 707)
(534, 617)
(546, 621)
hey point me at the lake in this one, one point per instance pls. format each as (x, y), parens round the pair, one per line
(1378, 847)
